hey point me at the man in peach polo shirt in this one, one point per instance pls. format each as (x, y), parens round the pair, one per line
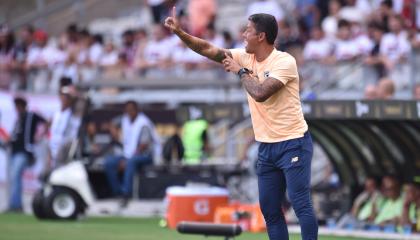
(271, 80)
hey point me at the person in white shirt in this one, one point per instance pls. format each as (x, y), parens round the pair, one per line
(184, 60)
(64, 128)
(317, 48)
(156, 53)
(395, 50)
(395, 47)
(45, 61)
(109, 57)
(345, 47)
(330, 23)
(141, 145)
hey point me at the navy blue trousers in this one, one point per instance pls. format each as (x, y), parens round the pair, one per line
(286, 165)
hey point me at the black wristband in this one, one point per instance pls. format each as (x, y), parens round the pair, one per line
(243, 71)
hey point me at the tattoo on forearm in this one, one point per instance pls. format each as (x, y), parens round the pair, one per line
(260, 91)
(220, 55)
(196, 44)
(203, 47)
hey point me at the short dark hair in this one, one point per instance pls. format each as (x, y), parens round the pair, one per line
(267, 24)
(20, 101)
(343, 23)
(388, 3)
(128, 33)
(133, 103)
(29, 28)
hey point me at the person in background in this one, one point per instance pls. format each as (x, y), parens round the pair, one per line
(363, 206)
(395, 50)
(22, 142)
(288, 39)
(345, 48)
(25, 42)
(194, 138)
(7, 50)
(410, 207)
(64, 128)
(371, 92)
(330, 22)
(374, 59)
(140, 144)
(318, 48)
(129, 46)
(391, 208)
(386, 89)
(416, 92)
(201, 13)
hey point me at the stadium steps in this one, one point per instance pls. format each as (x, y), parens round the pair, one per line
(58, 14)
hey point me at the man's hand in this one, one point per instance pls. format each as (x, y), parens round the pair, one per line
(172, 23)
(230, 65)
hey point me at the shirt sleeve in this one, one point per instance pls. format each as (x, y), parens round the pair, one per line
(237, 55)
(117, 121)
(284, 70)
(38, 119)
(145, 136)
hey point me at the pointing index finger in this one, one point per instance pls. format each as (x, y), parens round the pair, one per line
(174, 12)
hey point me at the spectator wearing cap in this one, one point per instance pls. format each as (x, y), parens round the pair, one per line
(64, 128)
(39, 59)
(38, 56)
(22, 142)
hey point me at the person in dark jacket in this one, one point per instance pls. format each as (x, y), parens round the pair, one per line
(22, 143)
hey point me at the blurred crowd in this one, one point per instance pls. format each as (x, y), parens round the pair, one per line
(378, 36)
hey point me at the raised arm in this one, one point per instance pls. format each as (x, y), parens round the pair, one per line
(198, 45)
(259, 91)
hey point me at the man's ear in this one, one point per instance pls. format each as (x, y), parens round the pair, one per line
(261, 36)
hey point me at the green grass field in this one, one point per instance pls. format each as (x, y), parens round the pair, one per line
(23, 227)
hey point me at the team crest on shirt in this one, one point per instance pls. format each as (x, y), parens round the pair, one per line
(266, 74)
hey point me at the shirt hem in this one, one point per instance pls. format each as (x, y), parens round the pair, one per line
(265, 140)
